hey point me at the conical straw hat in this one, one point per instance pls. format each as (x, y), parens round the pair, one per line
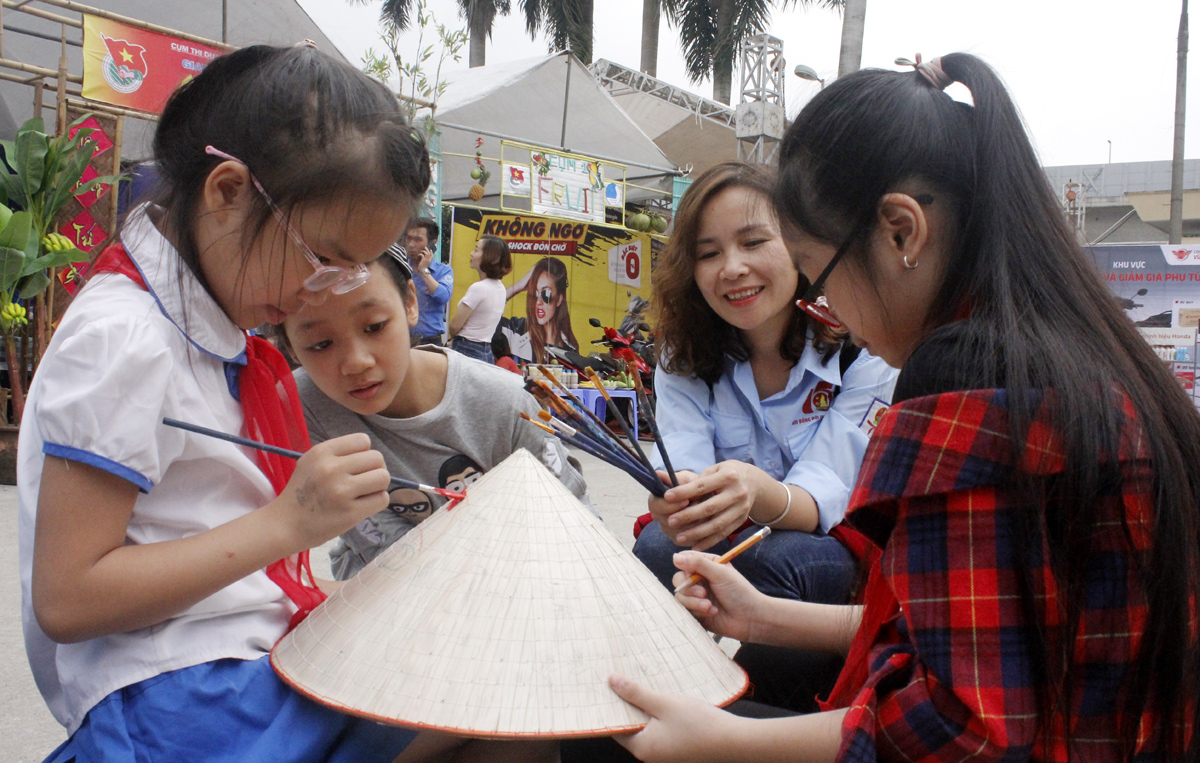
(504, 617)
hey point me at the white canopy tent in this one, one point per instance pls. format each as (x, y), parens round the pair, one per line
(552, 102)
(693, 132)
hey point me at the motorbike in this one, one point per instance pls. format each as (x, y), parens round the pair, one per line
(635, 350)
(631, 346)
(623, 347)
(619, 350)
(634, 322)
(573, 360)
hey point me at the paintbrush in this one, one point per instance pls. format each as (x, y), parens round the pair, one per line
(616, 457)
(579, 404)
(598, 436)
(595, 377)
(396, 482)
(587, 446)
(637, 462)
(653, 423)
(569, 413)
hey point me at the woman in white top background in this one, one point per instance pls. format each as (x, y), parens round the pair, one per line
(479, 310)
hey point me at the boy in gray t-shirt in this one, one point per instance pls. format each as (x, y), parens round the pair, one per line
(476, 425)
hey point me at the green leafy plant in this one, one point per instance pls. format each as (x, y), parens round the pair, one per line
(48, 170)
(46, 175)
(421, 85)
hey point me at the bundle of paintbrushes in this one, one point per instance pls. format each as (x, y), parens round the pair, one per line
(572, 422)
(644, 401)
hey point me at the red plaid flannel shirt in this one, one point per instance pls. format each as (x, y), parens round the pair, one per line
(947, 676)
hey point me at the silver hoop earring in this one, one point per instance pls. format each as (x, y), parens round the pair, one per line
(910, 265)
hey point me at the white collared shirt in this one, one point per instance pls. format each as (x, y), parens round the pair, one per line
(122, 359)
(803, 435)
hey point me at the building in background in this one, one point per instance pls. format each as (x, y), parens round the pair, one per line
(1128, 202)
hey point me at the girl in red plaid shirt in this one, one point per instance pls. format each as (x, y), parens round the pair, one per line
(1027, 510)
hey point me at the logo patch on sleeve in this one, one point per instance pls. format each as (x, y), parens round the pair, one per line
(874, 413)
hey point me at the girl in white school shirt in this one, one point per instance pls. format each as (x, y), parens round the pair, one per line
(147, 610)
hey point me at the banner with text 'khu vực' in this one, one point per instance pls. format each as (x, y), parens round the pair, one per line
(136, 68)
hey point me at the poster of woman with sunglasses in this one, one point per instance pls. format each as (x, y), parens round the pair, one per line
(547, 321)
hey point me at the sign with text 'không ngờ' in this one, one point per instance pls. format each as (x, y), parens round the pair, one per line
(135, 68)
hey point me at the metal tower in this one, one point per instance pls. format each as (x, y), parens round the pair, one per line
(760, 115)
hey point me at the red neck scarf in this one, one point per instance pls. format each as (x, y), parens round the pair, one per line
(271, 407)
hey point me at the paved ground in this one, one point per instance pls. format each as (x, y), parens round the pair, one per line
(27, 730)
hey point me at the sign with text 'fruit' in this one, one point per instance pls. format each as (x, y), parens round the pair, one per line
(567, 185)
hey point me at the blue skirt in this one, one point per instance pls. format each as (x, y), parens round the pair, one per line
(228, 711)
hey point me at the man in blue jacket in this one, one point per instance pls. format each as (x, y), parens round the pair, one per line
(434, 281)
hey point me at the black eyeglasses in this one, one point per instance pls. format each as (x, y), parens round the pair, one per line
(813, 302)
(545, 295)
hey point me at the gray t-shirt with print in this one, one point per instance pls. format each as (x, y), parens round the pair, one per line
(475, 426)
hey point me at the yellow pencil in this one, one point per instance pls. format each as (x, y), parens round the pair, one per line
(728, 555)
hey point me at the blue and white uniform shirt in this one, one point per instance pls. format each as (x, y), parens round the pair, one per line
(813, 434)
(122, 359)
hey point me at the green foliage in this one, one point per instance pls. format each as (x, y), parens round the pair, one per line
(47, 175)
(48, 170)
(25, 258)
(710, 31)
(569, 25)
(414, 75)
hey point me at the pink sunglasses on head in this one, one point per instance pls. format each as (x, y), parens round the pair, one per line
(338, 280)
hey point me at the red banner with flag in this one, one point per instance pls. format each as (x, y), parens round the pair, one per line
(136, 68)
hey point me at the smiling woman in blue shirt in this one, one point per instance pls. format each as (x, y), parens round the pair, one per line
(765, 413)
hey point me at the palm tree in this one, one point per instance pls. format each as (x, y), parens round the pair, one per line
(650, 16)
(479, 14)
(853, 21)
(652, 11)
(568, 24)
(711, 31)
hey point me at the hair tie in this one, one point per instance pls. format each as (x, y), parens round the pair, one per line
(931, 70)
(307, 43)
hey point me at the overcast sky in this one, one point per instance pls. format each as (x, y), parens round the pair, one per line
(1083, 72)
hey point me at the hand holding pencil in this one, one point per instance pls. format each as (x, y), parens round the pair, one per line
(726, 603)
(728, 556)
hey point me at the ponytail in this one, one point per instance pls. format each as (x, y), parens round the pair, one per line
(1040, 317)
